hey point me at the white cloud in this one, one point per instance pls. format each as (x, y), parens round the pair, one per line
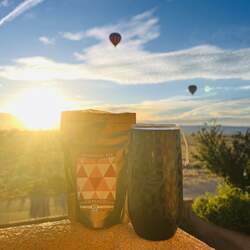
(247, 87)
(130, 62)
(21, 8)
(46, 40)
(40, 69)
(77, 36)
(138, 30)
(185, 110)
(135, 32)
(138, 67)
(209, 89)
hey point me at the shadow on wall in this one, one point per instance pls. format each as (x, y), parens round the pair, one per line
(215, 236)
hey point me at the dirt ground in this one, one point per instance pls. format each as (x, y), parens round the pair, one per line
(198, 181)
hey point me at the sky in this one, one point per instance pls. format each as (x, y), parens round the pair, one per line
(166, 45)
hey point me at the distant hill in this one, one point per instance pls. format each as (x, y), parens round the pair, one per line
(226, 129)
(8, 122)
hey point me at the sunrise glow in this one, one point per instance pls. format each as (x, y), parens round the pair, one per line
(38, 108)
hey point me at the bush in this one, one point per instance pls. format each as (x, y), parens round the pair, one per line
(229, 209)
(228, 157)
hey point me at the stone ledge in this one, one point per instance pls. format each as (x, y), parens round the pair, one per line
(73, 236)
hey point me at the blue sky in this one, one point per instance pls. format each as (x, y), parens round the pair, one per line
(166, 45)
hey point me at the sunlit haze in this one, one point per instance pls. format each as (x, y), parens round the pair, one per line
(38, 108)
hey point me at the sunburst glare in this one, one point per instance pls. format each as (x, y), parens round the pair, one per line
(38, 108)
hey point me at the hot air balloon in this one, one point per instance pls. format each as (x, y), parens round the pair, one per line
(115, 38)
(192, 89)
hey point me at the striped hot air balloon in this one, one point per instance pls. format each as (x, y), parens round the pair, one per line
(115, 38)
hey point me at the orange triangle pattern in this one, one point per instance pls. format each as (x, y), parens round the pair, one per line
(102, 194)
(95, 173)
(110, 172)
(110, 196)
(103, 186)
(89, 169)
(111, 182)
(95, 182)
(87, 195)
(88, 186)
(103, 168)
(81, 172)
(96, 179)
(95, 196)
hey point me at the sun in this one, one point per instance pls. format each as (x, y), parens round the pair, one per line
(38, 108)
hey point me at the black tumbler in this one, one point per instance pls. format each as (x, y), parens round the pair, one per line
(155, 180)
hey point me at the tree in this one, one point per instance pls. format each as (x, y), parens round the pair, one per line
(227, 157)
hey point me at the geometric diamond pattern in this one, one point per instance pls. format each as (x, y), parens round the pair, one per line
(96, 178)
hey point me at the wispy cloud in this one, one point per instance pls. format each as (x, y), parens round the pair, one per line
(46, 40)
(140, 29)
(73, 36)
(185, 110)
(247, 87)
(130, 62)
(21, 8)
(209, 89)
(40, 69)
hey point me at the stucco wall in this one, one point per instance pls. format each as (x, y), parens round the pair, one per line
(65, 235)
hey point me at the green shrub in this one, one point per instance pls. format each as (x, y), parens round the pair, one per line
(229, 209)
(228, 157)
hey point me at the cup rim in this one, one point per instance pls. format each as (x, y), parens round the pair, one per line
(151, 126)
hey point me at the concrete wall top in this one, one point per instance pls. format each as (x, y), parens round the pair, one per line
(71, 236)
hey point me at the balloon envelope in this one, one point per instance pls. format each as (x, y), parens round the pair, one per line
(192, 89)
(115, 38)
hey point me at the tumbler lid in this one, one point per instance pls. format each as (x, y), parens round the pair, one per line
(148, 126)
